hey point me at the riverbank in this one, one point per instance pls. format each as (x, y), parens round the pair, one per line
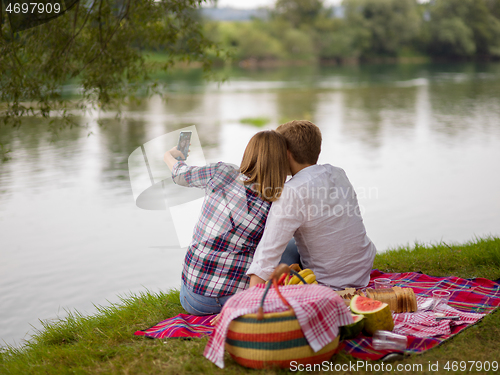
(104, 343)
(156, 61)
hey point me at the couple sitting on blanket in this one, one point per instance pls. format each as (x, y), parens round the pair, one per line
(250, 216)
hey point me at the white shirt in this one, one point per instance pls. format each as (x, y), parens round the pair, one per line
(320, 209)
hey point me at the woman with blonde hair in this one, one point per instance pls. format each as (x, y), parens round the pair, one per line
(232, 219)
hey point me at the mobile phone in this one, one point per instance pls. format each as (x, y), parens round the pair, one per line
(183, 145)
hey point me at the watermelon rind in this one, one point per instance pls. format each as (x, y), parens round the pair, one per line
(357, 308)
(351, 331)
(379, 317)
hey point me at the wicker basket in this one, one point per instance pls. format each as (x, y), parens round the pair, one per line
(276, 340)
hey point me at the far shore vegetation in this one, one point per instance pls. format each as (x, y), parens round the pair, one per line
(305, 31)
(300, 32)
(105, 343)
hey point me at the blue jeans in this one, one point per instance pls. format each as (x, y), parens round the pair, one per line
(291, 254)
(196, 304)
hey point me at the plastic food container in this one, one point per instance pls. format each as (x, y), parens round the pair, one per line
(440, 297)
(386, 340)
(382, 283)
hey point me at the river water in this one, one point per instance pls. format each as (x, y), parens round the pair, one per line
(420, 143)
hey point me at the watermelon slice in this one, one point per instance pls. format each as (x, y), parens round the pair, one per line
(351, 331)
(377, 314)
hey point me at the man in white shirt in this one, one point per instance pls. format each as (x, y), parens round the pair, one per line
(319, 208)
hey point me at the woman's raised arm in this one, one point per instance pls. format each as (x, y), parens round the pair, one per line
(170, 157)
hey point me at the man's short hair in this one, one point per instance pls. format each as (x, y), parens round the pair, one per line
(303, 140)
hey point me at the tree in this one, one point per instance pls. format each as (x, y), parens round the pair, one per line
(338, 40)
(99, 44)
(494, 7)
(299, 12)
(248, 40)
(390, 23)
(485, 27)
(463, 28)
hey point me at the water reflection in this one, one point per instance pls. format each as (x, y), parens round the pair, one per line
(296, 104)
(472, 104)
(371, 111)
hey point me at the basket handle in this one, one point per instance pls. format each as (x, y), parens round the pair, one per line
(277, 276)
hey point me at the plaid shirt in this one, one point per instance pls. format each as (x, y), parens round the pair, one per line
(230, 226)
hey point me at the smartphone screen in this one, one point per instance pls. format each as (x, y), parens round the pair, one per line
(184, 142)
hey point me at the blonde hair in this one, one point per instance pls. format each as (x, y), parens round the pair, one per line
(265, 164)
(303, 140)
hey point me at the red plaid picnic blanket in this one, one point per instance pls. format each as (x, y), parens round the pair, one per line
(470, 300)
(182, 325)
(319, 310)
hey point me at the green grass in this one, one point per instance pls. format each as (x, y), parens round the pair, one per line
(104, 343)
(255, 121)
(478, 258)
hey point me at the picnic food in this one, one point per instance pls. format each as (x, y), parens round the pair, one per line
(352, 330)
(307, 274)
(295, 267)
(377, 314)
(348, 293)
(399, 299)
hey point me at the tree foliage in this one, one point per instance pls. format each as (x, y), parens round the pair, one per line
(362, 30)
(245, 41)
(299, 12)
(390, 24)
(97, 44)
(463, 28)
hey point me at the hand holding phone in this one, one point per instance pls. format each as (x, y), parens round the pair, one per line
(183, 144)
